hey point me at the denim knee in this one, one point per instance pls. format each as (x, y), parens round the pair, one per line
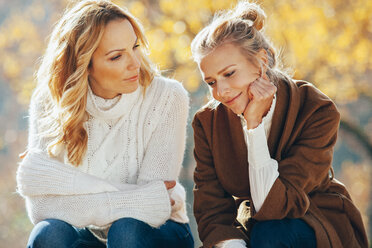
(50, 233)
(264, 235)
(282, 233)
(128, 231)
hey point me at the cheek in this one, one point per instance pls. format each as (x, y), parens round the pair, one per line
(240, 82)
(111, 70)
(138, 55)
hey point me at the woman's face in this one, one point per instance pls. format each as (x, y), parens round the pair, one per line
(115, 64)
(229, 73)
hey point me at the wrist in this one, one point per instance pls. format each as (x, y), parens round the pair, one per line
(252, 123)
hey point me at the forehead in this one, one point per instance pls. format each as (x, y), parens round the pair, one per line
(221, 57)
(118, 34)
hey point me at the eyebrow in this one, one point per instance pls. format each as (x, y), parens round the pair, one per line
(122, 49)
(221, 71)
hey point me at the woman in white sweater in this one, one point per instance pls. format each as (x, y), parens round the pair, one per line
(106, 139)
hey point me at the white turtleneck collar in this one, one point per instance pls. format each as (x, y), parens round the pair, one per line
(108, 109)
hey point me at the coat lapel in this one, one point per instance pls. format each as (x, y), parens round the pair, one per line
(283, 121)
(279, 119)
(231, 160)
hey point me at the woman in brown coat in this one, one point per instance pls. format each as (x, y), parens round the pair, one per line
(264, 147)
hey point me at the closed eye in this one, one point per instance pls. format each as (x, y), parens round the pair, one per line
(135, 46)
(211, 83)
(229, 74)
(116, 57)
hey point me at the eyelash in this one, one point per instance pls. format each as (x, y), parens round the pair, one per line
(226, 75)
(117, 57)
(229, 74)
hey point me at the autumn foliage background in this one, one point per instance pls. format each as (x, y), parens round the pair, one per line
(326, 42)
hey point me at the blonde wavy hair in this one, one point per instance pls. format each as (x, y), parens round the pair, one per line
(242, 26)
(62, 78)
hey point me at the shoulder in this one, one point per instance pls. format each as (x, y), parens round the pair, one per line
(206, 115)
(37, 104)
(311, 92)
(313, 100)
(168, 89)
(169, 85)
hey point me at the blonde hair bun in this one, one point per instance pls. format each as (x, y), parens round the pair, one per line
(250, 11)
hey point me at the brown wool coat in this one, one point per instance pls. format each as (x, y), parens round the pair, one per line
(302, 137)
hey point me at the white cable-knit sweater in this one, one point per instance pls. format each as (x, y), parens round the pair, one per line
(135, 143)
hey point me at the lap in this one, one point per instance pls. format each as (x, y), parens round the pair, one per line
(59, 234)
(282, 233)
(126, 232)
(170, 234)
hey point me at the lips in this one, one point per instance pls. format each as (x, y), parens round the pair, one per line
(231, 101)
(134, 78)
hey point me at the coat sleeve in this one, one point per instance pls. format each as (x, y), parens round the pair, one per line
(214, 208)
(303, 167)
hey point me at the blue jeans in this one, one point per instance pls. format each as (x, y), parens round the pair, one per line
(286, 233)
(125, 232)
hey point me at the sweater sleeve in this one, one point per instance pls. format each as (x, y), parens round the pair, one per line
(303, 167)
(47, 181)
(101, 209)
(214, 208)
(38, 174)
(165, 149)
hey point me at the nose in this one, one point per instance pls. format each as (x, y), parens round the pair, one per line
(222, 89)
(134, 62)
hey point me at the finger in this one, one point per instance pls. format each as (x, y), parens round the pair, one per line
(172, 202)
(256, 93)
(170, 184)
(264, 75)
(263, 81)
(265, 89)
(249, 91)
(268, 87)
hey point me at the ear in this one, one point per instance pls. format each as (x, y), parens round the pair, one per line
(263, 59)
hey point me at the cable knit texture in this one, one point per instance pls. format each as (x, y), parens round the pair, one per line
(135, 143)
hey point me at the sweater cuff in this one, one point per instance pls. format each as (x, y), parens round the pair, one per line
(178, 194)
(258, 151)
(150, 204)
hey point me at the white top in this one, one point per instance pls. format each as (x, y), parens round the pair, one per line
(135, 143)
(263, 170)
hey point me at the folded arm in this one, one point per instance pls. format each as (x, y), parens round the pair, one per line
(149, 204)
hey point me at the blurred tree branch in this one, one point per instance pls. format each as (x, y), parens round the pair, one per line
(358, 132)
